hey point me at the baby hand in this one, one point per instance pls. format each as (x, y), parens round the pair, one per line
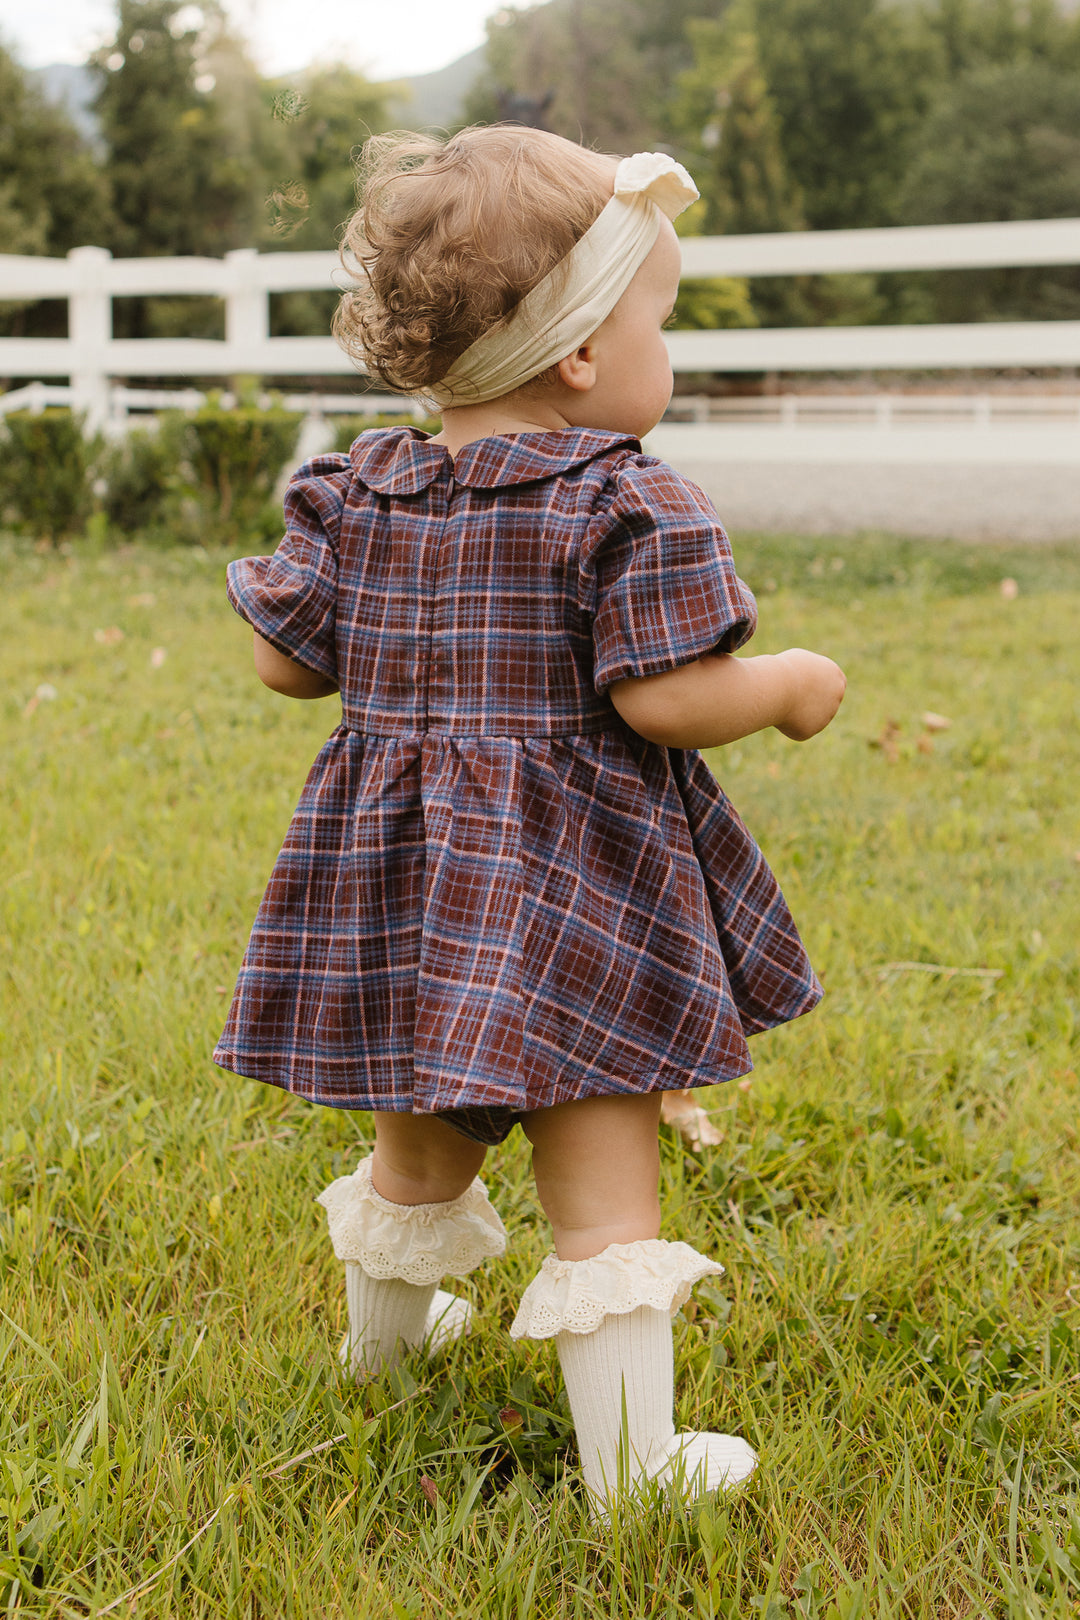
(817, 690)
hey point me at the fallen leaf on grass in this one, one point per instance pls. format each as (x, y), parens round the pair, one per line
(110, 636)
(158, 657)
(887, 741)
(1010, 590)
(45, 693)
(684, 1113)
(935, 722)
(511, 1419)
(429, 1488)
(924, 743)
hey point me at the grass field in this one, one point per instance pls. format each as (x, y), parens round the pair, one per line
(895, 1197)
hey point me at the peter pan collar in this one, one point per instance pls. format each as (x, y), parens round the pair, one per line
(403, 461)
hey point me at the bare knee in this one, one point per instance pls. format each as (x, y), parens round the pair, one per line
(597, 1169)
(419, 1159)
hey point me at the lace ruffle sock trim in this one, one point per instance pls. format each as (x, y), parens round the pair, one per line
(416, 1243)
(395, 1255)
(574, 1296)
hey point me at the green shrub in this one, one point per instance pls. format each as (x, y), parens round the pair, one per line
(712, 303)
(139, 473)
(234, 459)
(346, 428)
(44, 473)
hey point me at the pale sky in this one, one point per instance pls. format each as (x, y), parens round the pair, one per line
(388, 39)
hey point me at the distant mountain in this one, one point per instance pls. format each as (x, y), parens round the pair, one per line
(428, 101)
(437, 100)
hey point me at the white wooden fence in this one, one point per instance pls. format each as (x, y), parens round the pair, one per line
(90, 357)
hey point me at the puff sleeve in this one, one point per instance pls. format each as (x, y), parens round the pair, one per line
(661, 578)
(290, 599)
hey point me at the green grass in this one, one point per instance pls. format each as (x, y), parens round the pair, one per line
(895, 1197)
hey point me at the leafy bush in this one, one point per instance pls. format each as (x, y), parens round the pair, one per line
(234, 459)
(717, 301)
(139, 473)
(44, 473)
(346, 428)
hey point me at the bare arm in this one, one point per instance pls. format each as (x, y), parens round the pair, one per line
(284, 675)
(719, 699)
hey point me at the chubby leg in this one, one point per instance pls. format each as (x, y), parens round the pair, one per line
(419, 1159)
(597, 1169)
(607, 1299)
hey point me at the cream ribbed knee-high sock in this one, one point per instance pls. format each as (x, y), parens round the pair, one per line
(610, 1317)
(387, 1318)
(620, 1380)
(629, 1353)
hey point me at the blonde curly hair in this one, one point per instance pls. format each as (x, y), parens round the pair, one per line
(451, 235)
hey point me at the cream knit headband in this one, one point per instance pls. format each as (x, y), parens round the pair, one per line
(564, 309)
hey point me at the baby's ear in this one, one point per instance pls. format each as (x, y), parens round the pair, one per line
(578, 370)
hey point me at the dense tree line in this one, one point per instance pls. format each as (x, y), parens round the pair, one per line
(792, 114)
(826, 114)
(195, 153)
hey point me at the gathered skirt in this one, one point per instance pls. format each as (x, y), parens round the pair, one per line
(507, 923)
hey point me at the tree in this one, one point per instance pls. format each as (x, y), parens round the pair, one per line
(323, 119)
(313, 130)
(1002, 143)
(980, 33)
(178, 157)
(725, 110)
(728, 119)
(580, 52)
(610, 64)
(52, 195)
(850, 80)
(180, 111)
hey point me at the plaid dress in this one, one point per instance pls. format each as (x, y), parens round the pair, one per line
(495, 896)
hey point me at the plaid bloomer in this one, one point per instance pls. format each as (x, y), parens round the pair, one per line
(495, 896)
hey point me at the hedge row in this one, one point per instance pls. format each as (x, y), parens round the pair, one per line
(208, 478)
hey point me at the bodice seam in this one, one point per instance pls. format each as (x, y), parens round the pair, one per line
(478, 736)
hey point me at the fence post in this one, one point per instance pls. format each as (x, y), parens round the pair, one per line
(90, 333)
(247, 306)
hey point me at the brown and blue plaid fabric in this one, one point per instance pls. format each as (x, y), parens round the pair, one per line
(494, 896)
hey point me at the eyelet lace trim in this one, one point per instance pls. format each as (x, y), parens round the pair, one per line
(574, 1296)
(417, 1243)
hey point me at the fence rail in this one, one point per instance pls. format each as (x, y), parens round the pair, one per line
(89, 279)
(884, 410)
(123, 400)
